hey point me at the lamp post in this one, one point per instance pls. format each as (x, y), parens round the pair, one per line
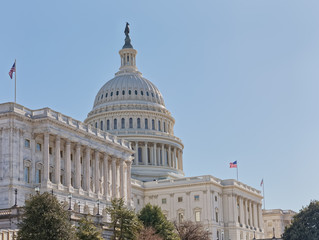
(37, 190)
(98, 207)
(70, 199)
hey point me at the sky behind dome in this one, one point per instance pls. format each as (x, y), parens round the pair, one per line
(239, 77)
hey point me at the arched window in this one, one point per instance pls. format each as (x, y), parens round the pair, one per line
(146, 123)
(139, 154)
(135, 92)
(131, 123)
(115, 124)
(123, 92)
(105, 95)
(111, 94)
(38, 173)
(117, 93)
(101, 96)
(147, 94)
(129, 92)
(142, 93)
(95, 124)
(123, 123)
(159, 125)
(108, 124)
(153, 124)
(138, 123)
(101, 125)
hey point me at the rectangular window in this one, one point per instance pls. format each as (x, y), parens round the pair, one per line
(215, 198)
(163, 200)
(197, 216)
(38, 176)
(180, 217)
(61, 154)
(50, 150)
(180, 199)
(138, 201)
(27, 143)
(196, 198)
(27, 174)
(71, 156)
(39, 147)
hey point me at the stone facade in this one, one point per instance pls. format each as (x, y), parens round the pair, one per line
(276, 220)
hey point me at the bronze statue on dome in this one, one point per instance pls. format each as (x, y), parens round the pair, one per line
(127, 29)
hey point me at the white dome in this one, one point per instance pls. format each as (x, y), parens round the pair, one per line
(128, 88)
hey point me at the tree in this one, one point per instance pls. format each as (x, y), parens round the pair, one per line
(87, 231)
(152, 216)
(149, 234)
(189, 230)
(305, 224)
(45, 219)
(124, 221)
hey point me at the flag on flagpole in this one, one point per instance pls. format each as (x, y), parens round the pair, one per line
(12, 70)
(262, 182)
(233, 164)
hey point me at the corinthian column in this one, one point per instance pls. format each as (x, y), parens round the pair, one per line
(128, 184)
(154, 155)
(78, 166)
(113, 177)
(87, 169)
(97, 172)
(46, 163)
(106, 174)
(57, 164)
(136, 153)
(121, 178)
(169, 156)
(68, 164)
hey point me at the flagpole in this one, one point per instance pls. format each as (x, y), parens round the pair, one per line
(15, 82)
(237, 171)
(264, 194)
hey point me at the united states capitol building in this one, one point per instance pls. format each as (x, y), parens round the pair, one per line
(125, 148)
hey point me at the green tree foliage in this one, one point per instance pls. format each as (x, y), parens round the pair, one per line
(305, 224)
(152, 216)
(189, 230)
(124, 221)
(45, 219)
(87, 231)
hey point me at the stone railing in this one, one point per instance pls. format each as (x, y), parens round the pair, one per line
(8, 234)
(49, 113)
(233, 182)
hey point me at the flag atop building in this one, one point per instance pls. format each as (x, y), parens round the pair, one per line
(233, 164)
(12, 70)
(262, 182)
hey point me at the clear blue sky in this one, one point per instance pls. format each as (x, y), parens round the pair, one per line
(240, 77)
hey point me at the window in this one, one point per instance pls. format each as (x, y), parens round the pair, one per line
(139, 154)
(138, 201)
(164, 127)
(117, 93)
(146, 123)
(27, 143)
(101, 125)
(147, 94)
(95, 124)
(39, 147)
(180, 217)
(142, 93)
(197, 216)
(108, 124)
(27, 174)
(163, 200)
(111, 94)
(123, 92)
(159, 125)
(129, 92)
(216, 214)
(153, 124)
(115, 123)
(50, 150)
(105, 95)
(180, 199)
(135, 92)
(138, 123)
(152, 94)
(61, 154)
(131, 123)
(215, 198)
(38, 176)
(196, 198)
(81, 160)
(122, 123)
(71, 156)
(101, 96)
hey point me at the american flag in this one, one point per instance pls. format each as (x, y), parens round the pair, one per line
(233, 164)
(262, 182)
(12, 70)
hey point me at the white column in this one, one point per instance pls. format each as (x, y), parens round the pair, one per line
(144, 160)
(155, 155)
(260, 217)
(67, 164)
(241, 210)
(136, 153)
(158, 156)
(78, 166)
(250, 214)
(146, 154)
(97, 172)
(163, 156)
(174, 159)
(46, 163)
(121, 178)
(169, 157)
(57, 160)
(106, 175)
(87, 169)
(255, 215)
(152, 155)
(128, 179)
(113, 177)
